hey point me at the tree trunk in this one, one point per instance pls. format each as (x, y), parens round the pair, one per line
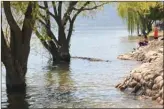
(15, 71)
(60, 54)
(138, 32)
(63, 50)
(15, 55)
(15, 80)
(64, 53)
(149, 27)
(17, 100)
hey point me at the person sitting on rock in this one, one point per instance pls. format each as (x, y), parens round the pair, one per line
(143, 41)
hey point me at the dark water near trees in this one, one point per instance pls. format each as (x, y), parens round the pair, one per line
(81, 83)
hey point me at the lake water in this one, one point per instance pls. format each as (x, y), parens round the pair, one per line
(82, 83)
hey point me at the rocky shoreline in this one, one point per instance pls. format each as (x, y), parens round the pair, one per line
(147, 79)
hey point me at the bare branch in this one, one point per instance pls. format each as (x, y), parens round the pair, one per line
(49, 32)
(47, 14)
(70, 30)
(92, 8)
(4, 47)
(73, 20)
(69, 11)
(9, 17)
(80, 10)
(42, 7)
(28, 23)
(54, 8)
(50, 13)
(60, 9)
(49, 45)
(41, 39)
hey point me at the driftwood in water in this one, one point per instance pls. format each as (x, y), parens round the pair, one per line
(91, 59)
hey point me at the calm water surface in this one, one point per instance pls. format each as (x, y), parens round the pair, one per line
(81, 83)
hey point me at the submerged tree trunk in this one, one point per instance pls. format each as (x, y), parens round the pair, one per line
(14, 72)
(63, 50)
(15, 55)
(62, 57)
(15, 78)
(59, 54)
(64, 53)
(17, 100)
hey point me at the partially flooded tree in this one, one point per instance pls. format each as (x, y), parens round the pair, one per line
(16, 47)
(64, 15)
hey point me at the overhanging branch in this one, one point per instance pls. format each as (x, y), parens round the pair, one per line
(80, 10)
(50, 13)
(42, 40)
(54, 8)
(73, 19)
(10, 18)
(4, 47)
(91, 8)
(69, 11)
(60, 9)
(28, 23)
(47, 14)
(70, 30)
(50, 33)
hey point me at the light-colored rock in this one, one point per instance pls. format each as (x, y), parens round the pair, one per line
(148, 77)
(155, 86)
(160, 50)
(161, 84)
(150, 84)
(161, 92)
(158, 99)
(161, 102)
(158, 79)
(148, 92)
(132, 84)
(137, 76)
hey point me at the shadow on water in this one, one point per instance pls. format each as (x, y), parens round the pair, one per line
(17, 100)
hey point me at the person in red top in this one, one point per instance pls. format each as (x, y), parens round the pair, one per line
(156, 33)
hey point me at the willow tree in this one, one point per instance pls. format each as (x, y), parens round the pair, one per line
(140, 14)
(16, 46)
(63, 14)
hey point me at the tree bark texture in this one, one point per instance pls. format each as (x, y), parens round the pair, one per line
(15, 55)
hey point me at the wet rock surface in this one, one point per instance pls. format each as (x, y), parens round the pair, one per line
(147, 79)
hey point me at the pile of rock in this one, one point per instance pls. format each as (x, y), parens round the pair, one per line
(146, 79)
(153, 50)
